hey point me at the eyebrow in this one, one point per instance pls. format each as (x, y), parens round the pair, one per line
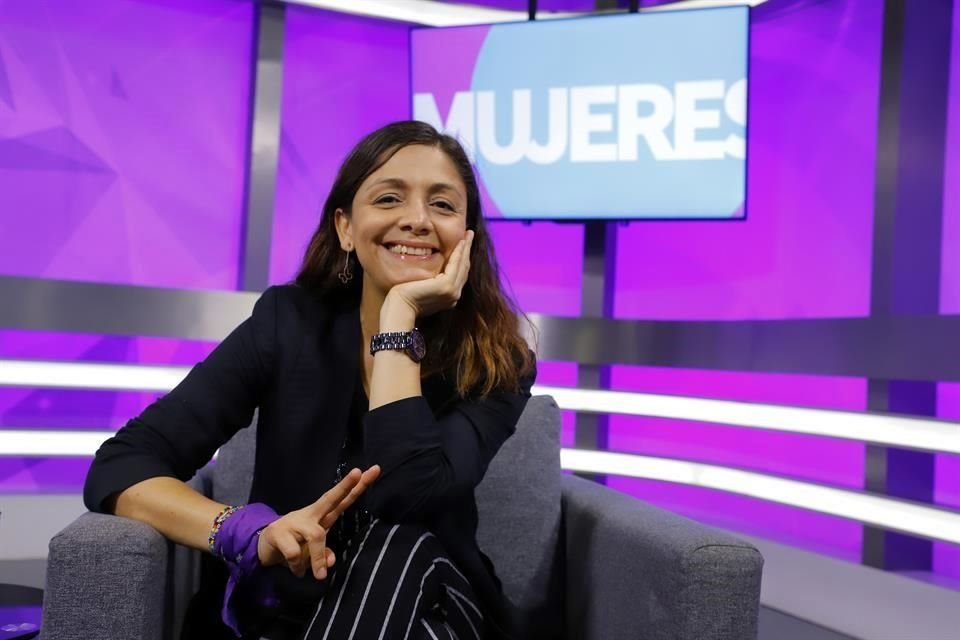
(444, 186)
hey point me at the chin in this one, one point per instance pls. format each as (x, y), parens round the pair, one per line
(408, 275)
(412, 276)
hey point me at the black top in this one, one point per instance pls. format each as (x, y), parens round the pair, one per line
(356, 518)
(297, 359)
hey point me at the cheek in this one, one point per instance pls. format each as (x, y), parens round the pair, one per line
(366, 250)
(365, 240)
(453, 233)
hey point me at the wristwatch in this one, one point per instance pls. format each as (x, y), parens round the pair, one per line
(410, 342)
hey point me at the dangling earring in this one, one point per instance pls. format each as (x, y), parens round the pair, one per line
(346, 275)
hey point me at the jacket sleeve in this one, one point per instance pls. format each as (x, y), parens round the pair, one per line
(428, 463)
(179, 433)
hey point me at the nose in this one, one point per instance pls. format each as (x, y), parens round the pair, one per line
(416, 219)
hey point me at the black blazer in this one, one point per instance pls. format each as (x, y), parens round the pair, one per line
(297, 360)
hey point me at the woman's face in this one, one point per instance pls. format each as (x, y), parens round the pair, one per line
(406, 219)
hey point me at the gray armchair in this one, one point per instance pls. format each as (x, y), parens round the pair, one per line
(583, 561)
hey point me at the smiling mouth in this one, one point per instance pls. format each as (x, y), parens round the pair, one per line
(406, 251)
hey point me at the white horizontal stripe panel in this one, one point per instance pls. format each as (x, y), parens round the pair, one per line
(916, 519)
(886, 429)
(89, 375)
(883, 429)
(702, 4)
(48, 443)
(424, 12)
(909, 518)
(442, 14)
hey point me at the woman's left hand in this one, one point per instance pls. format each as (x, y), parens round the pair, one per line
(441, 292)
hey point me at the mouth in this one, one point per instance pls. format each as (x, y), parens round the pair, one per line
(409, 252)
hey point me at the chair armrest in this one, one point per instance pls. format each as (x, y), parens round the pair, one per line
(106, 578)
(635, 571)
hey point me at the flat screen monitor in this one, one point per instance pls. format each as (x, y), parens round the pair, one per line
(620, 117)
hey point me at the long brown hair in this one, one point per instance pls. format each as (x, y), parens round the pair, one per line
(479, 340)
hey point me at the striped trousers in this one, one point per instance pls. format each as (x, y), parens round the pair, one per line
(396, 584)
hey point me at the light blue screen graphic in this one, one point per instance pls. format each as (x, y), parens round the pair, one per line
(631, 116)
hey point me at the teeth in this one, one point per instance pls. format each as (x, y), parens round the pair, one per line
(403, 249)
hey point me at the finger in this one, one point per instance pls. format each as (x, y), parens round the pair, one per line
(317, 551)
(336, 495)
(467, 246)
(451, 280)
(366, 479)
(370, 476)
(465, 255)
(334, 514)
(289, 548)
(465, 262)
(452, 267)
(331, 557)
(459, 270)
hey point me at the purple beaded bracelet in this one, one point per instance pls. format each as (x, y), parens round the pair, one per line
(217, 523)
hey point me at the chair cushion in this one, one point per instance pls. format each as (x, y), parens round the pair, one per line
(519, 509)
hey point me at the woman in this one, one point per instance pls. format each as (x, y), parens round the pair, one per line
(395, 351)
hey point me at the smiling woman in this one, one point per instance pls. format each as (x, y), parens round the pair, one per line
(386, 379)
(404, 189)
(402, 224)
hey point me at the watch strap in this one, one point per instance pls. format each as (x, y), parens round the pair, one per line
(391, 341)
(410, 342)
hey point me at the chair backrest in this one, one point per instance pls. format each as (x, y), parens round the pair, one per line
(518, 503)
(231, 476)
(519, 509)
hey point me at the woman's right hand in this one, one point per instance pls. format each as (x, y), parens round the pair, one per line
(300, 537)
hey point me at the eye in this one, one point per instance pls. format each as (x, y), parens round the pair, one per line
(389, 198)
(443, 204)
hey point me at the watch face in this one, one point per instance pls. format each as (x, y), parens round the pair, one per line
(418, 347)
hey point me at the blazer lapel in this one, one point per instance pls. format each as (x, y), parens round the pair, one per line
(345, 356)
(334, 379)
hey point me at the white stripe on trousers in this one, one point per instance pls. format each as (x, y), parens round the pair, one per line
(429, 630)
(454, 593)
(359, 549)
(416, 603)
(453, 636)
(382, 573)
(465, 600)
(366, 592)
(403, 574)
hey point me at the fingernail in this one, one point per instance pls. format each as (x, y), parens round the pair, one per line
(323, 573)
